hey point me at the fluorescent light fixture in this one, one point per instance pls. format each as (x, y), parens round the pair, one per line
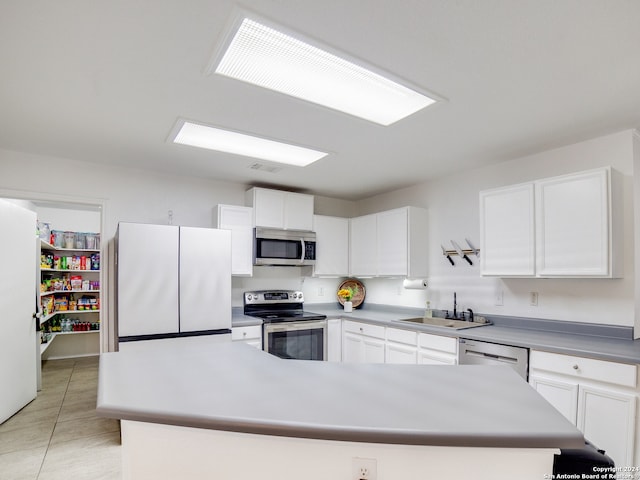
(266, 57)
(220, 140)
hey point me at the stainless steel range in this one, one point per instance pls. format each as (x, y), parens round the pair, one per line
(288, 330)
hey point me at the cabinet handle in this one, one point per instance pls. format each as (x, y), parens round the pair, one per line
(244, 334)
(575, 367)
(361, 329)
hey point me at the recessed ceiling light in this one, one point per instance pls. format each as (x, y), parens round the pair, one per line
(212, 138)
(269, 58)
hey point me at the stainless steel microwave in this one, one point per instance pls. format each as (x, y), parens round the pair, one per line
(284, 247)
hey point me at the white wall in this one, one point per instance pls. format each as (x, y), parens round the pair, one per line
(70, 219)
(452, 203)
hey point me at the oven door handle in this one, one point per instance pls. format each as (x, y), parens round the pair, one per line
(289, 326)
(303, 251)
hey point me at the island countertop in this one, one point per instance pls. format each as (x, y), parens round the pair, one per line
(234, 387)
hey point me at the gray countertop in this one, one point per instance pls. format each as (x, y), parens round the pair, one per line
(560, 337)
(234, 387)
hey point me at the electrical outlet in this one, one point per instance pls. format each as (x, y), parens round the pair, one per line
(533, 299)
(499, 298)
(321, 292)
(364, 469)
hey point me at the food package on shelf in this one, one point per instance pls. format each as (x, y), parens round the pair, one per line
(76, 282)
(61, 303)
(46, 261)
(47, 305)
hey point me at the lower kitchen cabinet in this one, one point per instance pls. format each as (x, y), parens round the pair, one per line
(362, 342)
(367, 343)
(437, 350)
(597, 396)
(251, 335)
(401, 346)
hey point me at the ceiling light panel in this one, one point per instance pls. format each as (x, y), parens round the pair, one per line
(212, 138)
(266, 57)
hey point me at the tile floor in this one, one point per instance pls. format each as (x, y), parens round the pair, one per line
(58, 435)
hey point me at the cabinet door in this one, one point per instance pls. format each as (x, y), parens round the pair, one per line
(205, 279)
(362, 243)
(332, 235)
(352, 348)
(147, 262)
(240, 221)
(573, 225)
(433, 357)
(373, 349)
(268, 207)
(607, 418)
(392, 242)
(563, 395)
(401, 353)
(507, 233)
(298, 211)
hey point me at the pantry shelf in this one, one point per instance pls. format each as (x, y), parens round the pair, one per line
(53, 292)
(66, 270)
(44, 346)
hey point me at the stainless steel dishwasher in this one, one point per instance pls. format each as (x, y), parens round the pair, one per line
(474, 352)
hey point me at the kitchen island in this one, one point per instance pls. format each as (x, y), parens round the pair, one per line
(231, 411)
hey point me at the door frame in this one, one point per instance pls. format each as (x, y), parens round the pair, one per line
(107, 334)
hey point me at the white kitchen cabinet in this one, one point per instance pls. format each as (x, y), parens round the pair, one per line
(239, 220)
(566, 226)
(390, 243)
(401, 346)
(507, 232)
(437, 349)
(251, 335)
(334, 340)
(362, 342)
(597, 396)
(280, 209)
(575, 225)
(363, 246)
(393, 243)
(332, 255)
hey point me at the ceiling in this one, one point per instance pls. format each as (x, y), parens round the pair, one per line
(105, 81)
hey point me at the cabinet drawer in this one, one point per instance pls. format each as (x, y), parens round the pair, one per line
(364, 329)
(586, 368)
(440, 343)
(402, 336)
(252, 332)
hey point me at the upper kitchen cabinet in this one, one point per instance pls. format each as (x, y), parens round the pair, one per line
(240, 221)
(507, 232)
(332, 236)
(390, 243)
(567, 226)
(280, 209)
(363, 246)
(577, 226)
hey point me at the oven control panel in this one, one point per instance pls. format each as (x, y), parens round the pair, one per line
(272, 296)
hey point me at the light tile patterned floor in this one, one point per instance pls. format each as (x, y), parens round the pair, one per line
(58, 435)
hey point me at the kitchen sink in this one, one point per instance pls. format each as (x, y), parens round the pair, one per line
(447, 322)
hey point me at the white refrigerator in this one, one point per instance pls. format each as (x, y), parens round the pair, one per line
(172, 283)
